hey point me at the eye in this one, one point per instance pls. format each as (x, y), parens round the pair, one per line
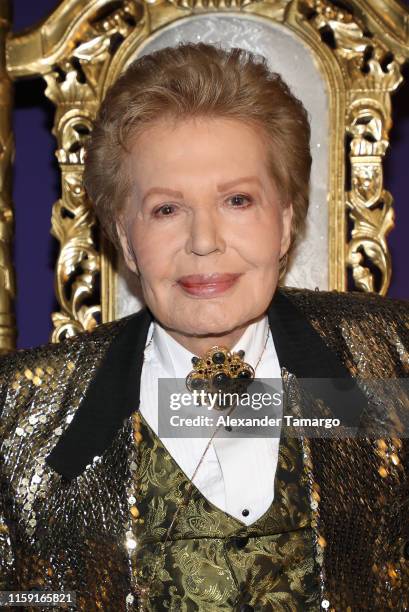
(163, 211)
(240, 200)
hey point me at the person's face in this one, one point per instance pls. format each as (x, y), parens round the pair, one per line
(203, 206)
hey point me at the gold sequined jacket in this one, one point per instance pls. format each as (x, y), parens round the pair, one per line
(74, 484)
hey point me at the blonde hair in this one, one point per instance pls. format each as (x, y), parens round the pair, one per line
(198, 80)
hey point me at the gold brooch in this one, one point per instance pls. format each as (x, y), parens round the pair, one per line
(219, 369)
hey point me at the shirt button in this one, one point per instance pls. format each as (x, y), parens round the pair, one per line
(245, 512)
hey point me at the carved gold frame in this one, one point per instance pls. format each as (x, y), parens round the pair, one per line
(81, 48)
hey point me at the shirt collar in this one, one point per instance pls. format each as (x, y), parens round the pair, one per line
(176, 360)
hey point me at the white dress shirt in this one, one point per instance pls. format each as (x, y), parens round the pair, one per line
(237, 473)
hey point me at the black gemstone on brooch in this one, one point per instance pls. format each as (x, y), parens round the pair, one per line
(220, 380)
(198, 384)
(219, 357)
(244, 374)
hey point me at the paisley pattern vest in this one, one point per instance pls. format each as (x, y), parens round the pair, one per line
(213, 561)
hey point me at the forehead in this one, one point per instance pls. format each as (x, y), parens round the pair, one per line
(194, 145)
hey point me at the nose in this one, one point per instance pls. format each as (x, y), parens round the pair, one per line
(205, 234)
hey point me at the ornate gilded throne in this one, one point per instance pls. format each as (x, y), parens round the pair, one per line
(342, 59)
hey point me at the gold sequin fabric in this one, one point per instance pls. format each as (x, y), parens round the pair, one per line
(79, 534)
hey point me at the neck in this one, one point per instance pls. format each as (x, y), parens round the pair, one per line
(200, 344)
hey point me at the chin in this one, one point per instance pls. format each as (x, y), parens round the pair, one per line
(211, 323)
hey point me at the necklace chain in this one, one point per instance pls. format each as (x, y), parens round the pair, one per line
(143, 591)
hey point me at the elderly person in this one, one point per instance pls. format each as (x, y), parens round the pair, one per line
(198, 168)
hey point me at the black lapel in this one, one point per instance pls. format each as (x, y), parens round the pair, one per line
(300, 349)
(111, 397)
(304, 353)
(113, 393)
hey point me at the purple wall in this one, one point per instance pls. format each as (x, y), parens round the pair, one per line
(36, 188)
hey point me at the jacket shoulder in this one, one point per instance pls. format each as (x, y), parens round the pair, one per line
(351, 305)
(48, 359)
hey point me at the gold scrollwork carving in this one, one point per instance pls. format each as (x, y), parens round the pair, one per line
(372, 74)
(7, 279)
(208, 4)
(73, 86)
(369, 204)
(78, 262)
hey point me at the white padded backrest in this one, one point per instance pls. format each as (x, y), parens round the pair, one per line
(289, 56)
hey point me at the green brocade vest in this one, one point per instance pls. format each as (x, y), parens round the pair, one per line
(212, 560)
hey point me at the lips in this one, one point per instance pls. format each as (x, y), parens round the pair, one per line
(205, 285)
(205, 279)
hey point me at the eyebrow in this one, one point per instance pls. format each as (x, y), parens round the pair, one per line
(243, 179)
(221, 187)
(160, 190)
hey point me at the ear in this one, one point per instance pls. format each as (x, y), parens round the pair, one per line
(127, 250)
(287, 217)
